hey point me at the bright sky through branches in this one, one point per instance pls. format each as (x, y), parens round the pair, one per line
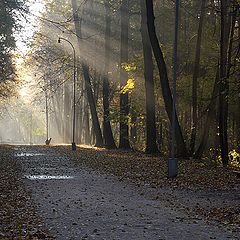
(29, 25)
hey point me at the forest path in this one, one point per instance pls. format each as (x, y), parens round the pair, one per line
(77, 203)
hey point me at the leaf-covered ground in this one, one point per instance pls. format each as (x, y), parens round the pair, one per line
(220, 186)
(17, 214)
(141, 167)
(200, 189)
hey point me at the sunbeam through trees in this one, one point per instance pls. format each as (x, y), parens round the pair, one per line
(134, 78)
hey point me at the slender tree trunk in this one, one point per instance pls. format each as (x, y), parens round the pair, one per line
(133, 129)
(87, 135)
(96, 79)
(167, 96)
(81, 107)
(85, 68)
(79, 124)
(57, 111)
(107, 130)
(230, 56)
(67, 123)
(210, 118)
(61, 111)
(224, 84)
(124, 102)
(151, 138)
(237, 119)
(238, 97)
(161, 137)
(231, 41)
(92, 105)
(195, 79)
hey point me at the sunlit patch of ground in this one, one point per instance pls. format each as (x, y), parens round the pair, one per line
(83, 146)
(91, 147)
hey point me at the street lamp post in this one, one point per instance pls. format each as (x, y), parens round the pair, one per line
(74, 147)
(172, 162)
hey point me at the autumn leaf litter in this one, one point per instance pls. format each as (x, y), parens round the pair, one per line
(201, 189)
(218, 188)
(19, 219)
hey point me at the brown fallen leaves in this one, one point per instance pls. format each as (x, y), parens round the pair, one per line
(20, 221)
(227, 215)
(141, 169)
(18, 216)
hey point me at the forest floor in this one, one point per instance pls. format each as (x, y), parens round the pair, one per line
(52, 192)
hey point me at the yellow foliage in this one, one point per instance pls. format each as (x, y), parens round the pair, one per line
(234, 157)
(129, 86)
(128, 67)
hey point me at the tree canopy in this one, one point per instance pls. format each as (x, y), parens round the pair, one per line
(123, 62)
(9, 26)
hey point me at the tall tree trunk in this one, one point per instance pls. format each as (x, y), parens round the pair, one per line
(133, 129)
(167, 96)
(87, 135)
(67, 122)
(61, 111)
(238, 99)
(151, 138)
(92, 105)
(124, 103)
(56, 110)
(107, 130)
(234, 13)
(237, 118)
(224, 84)
(210, 118)
(195, 79)
(85, 68)
(79, 109)
(161, 136)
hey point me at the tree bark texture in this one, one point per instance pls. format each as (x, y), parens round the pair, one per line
(151, 138)
(57, 103)
(79, 109)
(238, 97)
(107, 130)
(124, 102)
(210, 118)
(224, 83)
(166, 91)
(85, 68)
(86, 124)
(92, 105)
(67, 122)
(195, 78)
(237, 118)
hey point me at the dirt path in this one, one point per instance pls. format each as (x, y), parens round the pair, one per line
(82, 204)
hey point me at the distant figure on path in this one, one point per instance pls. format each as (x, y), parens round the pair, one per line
(47, 141)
